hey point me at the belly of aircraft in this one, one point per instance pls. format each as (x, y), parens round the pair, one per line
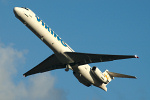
(84, 70)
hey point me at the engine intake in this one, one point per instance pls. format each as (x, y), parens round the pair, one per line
(99, 75)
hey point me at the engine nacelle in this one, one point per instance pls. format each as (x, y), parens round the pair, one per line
(99, 75)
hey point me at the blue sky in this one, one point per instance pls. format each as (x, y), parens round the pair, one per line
(97, 26)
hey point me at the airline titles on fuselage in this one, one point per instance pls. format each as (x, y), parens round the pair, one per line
(51, 31)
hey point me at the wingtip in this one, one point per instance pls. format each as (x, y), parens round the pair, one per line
(134, 77)
(136, 56)
(24, 75)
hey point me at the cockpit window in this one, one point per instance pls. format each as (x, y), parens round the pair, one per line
(25, 8)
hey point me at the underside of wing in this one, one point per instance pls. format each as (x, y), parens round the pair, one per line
(86, 58)
(51, 63)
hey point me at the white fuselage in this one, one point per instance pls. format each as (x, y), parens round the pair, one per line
(55, 43)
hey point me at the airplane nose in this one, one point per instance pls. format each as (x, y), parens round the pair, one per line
(16, 11)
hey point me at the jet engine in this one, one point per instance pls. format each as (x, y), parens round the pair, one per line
(103, 78)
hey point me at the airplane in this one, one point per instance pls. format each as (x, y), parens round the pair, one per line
(65, 57)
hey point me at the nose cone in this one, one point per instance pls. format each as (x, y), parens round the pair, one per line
(17, 11)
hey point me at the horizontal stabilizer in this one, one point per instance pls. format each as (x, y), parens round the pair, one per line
(119, 75)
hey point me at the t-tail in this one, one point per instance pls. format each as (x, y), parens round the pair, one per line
(110, 75)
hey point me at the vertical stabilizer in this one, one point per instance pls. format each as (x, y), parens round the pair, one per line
(108, 76)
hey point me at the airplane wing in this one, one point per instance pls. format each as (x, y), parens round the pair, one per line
(51, 63)
(86, 58)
